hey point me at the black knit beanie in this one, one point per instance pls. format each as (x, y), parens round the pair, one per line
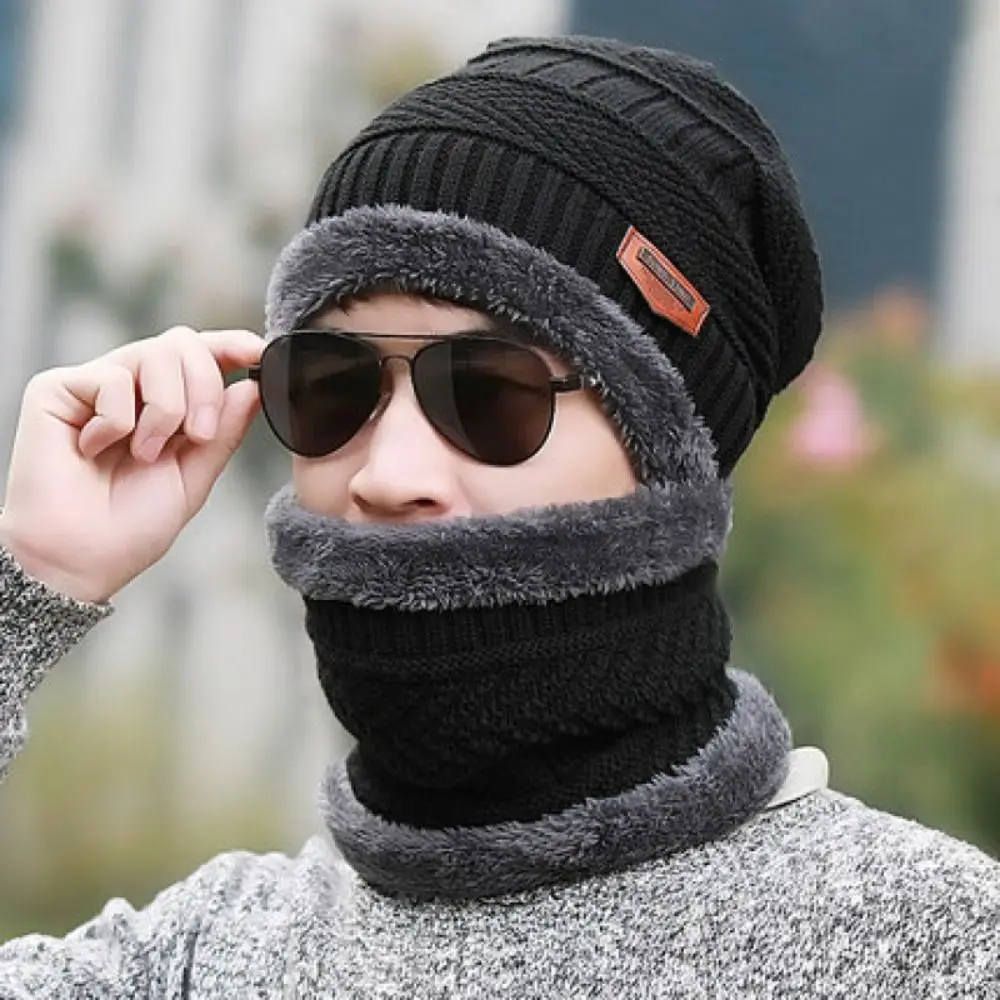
(639, 169)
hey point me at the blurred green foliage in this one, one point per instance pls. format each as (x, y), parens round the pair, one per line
(92, 809)
(866, 589)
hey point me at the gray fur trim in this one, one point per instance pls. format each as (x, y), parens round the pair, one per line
(732, 778)
(397, 248)
(533, 556)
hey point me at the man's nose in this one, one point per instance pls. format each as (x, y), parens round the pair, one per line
(409, 470)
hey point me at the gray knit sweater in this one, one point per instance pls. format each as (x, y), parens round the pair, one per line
(822, 897)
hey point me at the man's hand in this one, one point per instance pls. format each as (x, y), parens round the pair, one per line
(112, 458)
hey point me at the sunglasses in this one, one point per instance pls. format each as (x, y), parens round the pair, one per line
(493, 399)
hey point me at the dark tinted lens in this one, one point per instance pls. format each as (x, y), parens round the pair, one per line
(489, 398)
(317, 390)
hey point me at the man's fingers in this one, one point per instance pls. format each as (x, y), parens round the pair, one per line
(207, 356)
(75, 396)
(233, 349)
(203, 388)
(114, 413)
(149, 389)
(202, 464)
(164, 400)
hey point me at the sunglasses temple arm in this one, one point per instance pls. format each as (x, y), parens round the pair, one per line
(570, 383)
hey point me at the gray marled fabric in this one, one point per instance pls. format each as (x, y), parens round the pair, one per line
(821, 898)
(38, 627)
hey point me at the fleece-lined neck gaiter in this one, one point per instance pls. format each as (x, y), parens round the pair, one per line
(502, 673)
(507, 744)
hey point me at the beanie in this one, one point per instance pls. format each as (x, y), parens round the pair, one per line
(556, 179)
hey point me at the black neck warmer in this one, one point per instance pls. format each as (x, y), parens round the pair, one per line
(540, 695)
(471, 717)
(521, 719)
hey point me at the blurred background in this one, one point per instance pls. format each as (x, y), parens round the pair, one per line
(156, 154)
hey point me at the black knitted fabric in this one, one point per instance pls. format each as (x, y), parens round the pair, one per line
(565, 143)
(511, 713)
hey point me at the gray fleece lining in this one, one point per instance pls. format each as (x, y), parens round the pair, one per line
(733, 777)
(532, 556)
(678, 519)
(397, 248)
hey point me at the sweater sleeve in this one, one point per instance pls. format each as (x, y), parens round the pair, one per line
(37, 627)
(123, 953)
(222, 932)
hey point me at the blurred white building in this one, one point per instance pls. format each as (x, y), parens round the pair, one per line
(971, 269)
(165, 130)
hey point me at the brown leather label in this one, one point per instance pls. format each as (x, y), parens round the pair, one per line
(668, 293)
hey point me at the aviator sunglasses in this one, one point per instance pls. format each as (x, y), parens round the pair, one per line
(491, 398)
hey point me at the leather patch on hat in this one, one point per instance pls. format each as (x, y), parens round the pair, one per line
(668, 293)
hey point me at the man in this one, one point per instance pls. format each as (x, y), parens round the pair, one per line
(540, 309)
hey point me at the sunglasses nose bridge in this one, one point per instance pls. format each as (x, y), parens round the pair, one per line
(385, 374)
(405, 358)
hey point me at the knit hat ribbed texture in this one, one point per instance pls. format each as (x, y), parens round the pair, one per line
(566, 143)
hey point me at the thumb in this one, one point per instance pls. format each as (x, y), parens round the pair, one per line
(202, 465)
